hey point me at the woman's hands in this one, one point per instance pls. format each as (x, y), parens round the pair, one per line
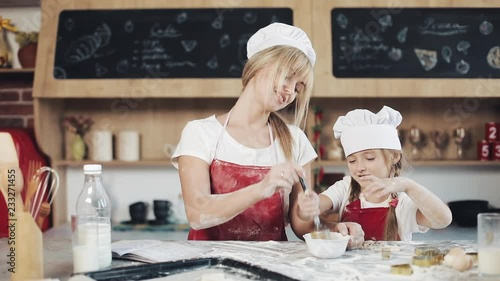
(281, 176)
(308, 205)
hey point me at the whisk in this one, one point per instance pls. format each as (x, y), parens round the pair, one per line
(47, 180)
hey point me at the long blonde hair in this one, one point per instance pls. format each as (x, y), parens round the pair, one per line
(285, 61)
(391, 222)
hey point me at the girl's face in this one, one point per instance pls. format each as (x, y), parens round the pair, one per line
(280, 97)
(363, 165)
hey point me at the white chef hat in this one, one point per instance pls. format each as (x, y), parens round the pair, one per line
(361, 129)
(280, 34)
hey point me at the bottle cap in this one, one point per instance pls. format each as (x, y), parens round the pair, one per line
(92, 168)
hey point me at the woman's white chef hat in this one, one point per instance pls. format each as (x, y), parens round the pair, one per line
(280, 34)
(361, 129)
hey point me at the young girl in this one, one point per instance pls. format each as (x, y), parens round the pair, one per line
(239, 170)
(387, 206)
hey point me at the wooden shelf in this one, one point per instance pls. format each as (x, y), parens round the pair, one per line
(19, 3)
(17, 77)
(115, 163)
(421, 163)
(17, 70)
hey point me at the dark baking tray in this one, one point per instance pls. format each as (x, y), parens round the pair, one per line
(157, 270)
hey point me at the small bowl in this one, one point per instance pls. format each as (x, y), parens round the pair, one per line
(327, 248)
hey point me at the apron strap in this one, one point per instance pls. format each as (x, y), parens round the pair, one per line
(222, 133)
(219, 140)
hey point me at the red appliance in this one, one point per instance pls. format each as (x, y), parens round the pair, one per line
(27, 151)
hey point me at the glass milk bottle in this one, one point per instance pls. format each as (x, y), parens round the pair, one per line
(488, 240)
(94, 204)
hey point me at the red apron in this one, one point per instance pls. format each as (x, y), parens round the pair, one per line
(263, 221)
(372, 220)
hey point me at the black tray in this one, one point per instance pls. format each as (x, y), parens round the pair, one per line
(157, 270)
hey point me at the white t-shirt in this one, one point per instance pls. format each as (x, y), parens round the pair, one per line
(199, 139)
(406, 210)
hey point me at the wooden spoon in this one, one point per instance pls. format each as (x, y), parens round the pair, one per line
(8, 155)
(3, 188)
(12, 184)
(33, 167)
(11, 173)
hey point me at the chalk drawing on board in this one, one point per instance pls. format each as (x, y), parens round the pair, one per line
(427, 58)
(486, 28)
(250, 17)
(224, 41)
(189, 45)
(69, 24)
(385, 22)
(122, 66)
(166, 32)
(129, 26)
(274, 19)
(82, 49)
(431, 27)
(358, 67)
(402, 35)
(446, 53)
(235, 70)
(213, 63)
(103, 53)
(217, 23)
(100, 70)
(172, 64)
(463, 46)
(242, 48)
(342, 21)
(59, 73)
(181, 17)
(103, 31)
(493, 57)
(462, 67)
(395, 54)
(150, 66)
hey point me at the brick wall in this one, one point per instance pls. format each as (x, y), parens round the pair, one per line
(16, 106)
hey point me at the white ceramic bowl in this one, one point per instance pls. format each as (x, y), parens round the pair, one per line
(327, 248)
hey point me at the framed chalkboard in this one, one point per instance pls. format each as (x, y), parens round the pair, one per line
(416, 42)
(158, 43)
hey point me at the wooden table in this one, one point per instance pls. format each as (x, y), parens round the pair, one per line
(288, 258)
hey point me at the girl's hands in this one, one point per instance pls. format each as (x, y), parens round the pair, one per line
(308, 205)
(281, 176)
(356, 233)
(380, 188)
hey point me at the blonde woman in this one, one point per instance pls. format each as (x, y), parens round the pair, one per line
(240, 170)
(387, 206)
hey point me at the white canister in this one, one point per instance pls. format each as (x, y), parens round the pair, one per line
(128, 146)
(101, 146)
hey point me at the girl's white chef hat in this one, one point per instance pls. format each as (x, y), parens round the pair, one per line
(361, 129)
(280, 34)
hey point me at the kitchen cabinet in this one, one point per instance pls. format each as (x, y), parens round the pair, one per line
(426, 114)
(327, 85)
(159, 108)
(148, 87)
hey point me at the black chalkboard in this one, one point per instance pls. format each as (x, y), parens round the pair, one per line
(416, 42)
(159, 43)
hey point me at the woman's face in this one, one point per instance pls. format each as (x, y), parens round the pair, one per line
(279, 98)
(363, 165)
